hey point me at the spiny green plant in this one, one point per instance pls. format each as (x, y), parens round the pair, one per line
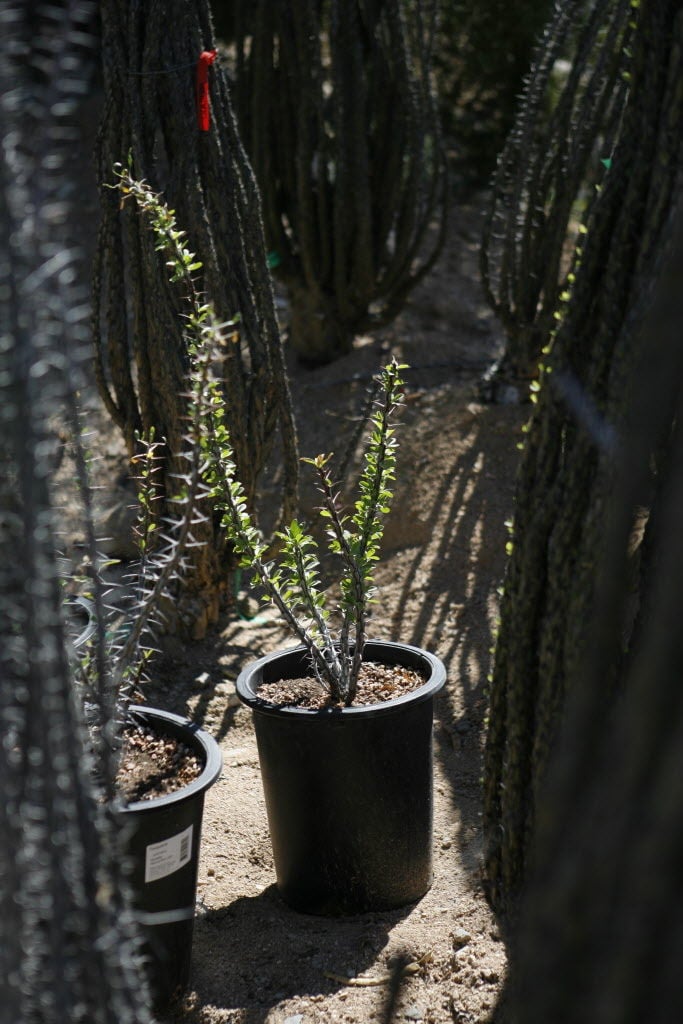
(293, 583)
(111, 667)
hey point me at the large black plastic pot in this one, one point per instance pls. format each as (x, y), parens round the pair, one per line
(348, 790)
(162, 842)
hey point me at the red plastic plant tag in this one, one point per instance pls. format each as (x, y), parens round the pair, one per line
(206, 59)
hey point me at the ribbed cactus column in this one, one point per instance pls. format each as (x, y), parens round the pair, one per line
(560, 147)
(168, 110)
(601, 925)
(560, 525)
(337, 109)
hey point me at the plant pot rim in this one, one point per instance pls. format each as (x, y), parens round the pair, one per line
(199, 738)
(84, 603)
(250, 677)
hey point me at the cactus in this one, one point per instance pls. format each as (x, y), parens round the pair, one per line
(337, 110)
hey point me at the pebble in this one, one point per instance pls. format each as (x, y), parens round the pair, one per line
(414, 1013)
(461, 937)
(296, 1018)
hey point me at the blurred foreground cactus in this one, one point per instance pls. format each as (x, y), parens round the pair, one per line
(68, 949)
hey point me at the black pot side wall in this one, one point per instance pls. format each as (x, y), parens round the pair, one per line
(163, 844)
(349, 797)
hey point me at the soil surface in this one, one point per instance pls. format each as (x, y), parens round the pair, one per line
(376, 684)
(254, 959)
(153, 766)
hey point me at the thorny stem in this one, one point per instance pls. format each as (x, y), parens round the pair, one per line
(293, 584)
(172, 563)
(251, 549)
(349, 681)
(182, 265)
(380, 461)
(102, 696)
(358, 551)
(334, 672)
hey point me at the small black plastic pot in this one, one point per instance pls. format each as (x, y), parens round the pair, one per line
(162, 843)
(349, 791)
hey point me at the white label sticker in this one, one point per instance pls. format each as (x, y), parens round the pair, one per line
(169, 855)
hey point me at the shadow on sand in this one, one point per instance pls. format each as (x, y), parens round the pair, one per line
(305, 956)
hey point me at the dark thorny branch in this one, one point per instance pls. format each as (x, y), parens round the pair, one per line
(604, 880)
(573, 439)
(150, 55)
(483, 54)
(560, 147)
(68, 951)
(338, 113)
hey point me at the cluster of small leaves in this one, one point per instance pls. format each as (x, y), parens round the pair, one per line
(293, 585)
(128, 635)
(170, 239)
